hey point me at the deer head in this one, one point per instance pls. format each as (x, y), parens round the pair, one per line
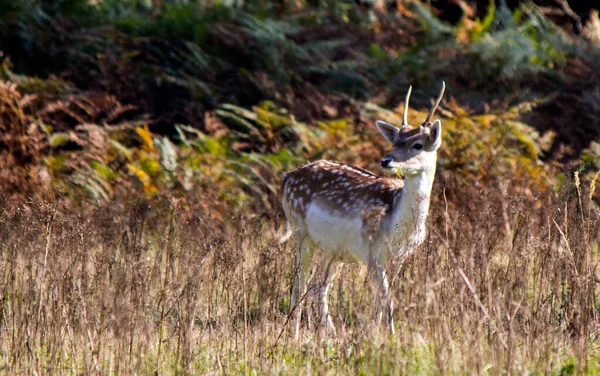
(414, 149)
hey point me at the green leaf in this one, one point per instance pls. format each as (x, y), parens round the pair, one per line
(59, 139)
(105, 172)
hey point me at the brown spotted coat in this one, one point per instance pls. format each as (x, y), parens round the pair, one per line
(345, 189)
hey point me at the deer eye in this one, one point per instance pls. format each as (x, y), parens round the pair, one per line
(417, 147)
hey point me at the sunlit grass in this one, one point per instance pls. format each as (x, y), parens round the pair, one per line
(158, 286)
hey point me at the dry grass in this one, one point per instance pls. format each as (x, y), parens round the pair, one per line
(159, 287)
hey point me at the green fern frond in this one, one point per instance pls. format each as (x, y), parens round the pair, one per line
(325, 48)
(246, 114)
(241, 125)
(435, 28)
(200, 60)
(168, 153)
(92, 183)
(335, 66)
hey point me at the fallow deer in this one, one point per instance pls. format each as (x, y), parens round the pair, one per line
(355, 215)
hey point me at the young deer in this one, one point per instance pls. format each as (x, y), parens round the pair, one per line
(355, 215)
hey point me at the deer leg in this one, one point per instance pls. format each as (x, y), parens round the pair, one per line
(383, 295)
(330, 275)
(303, 257)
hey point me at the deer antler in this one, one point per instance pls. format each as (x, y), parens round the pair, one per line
(435, 105)
(404, 116)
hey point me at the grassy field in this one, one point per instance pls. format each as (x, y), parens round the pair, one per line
(145, 288)
(141, 149)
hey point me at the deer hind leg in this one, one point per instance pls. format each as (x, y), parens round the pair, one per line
(331, 272)
(304, 254)
(382, 294)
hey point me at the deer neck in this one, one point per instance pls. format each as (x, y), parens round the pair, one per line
(410, 212)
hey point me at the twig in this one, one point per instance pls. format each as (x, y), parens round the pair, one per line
(49, 227)
(481, 306)
(87, 328)
(569, 12)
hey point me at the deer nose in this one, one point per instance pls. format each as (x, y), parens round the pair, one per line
(385, 162)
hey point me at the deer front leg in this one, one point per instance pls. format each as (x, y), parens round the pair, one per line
(382, 293)
(330, 274)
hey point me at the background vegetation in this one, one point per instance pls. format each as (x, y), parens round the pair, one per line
(141, 147)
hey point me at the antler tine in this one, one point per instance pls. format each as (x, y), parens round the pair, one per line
(405, 115)
(436, 104)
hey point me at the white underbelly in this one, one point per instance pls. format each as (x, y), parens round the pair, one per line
(334, 233)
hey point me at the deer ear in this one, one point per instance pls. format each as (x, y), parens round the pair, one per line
(387, 130)
(435, 136)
